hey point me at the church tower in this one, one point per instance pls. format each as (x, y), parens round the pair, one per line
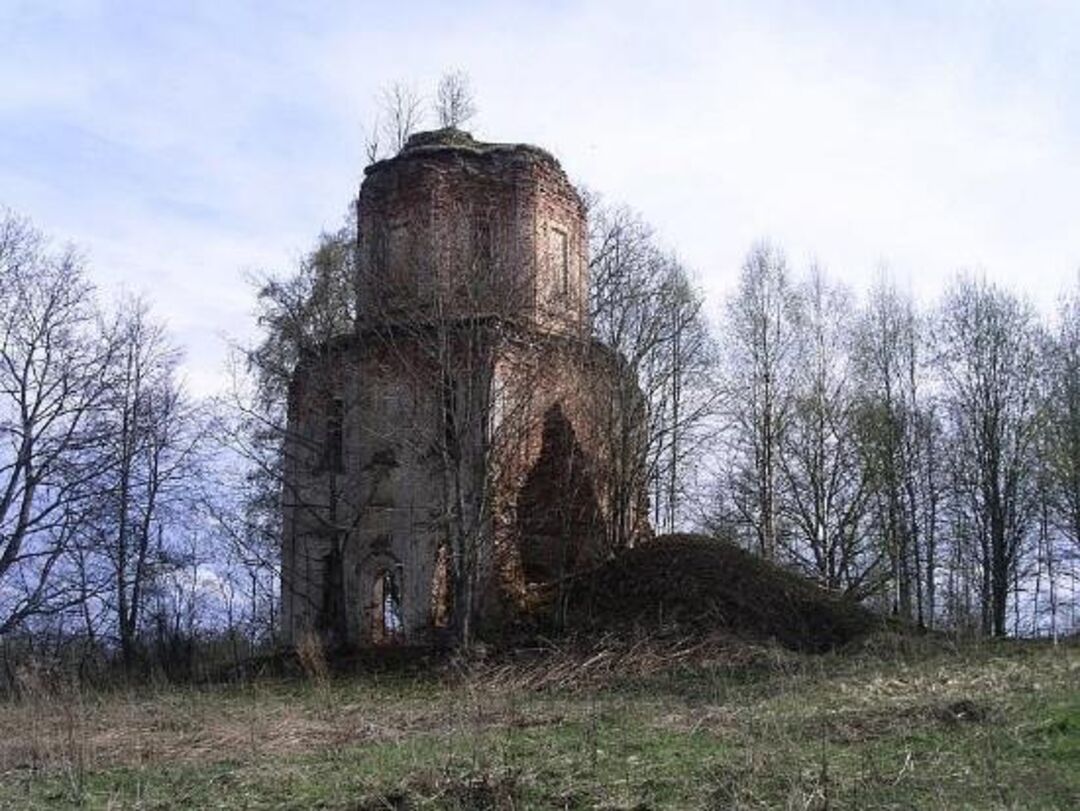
(453, 225)
(454, 453)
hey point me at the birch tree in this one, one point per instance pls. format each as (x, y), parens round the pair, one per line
(826, 493)
(1064, 415)
(988, 345)
(762, 350)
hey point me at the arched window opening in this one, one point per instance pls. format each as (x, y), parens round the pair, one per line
(388, 623)
(560, 259)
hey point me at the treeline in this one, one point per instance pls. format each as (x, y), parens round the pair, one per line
(115, 501)
(923, 459)
(927, 459)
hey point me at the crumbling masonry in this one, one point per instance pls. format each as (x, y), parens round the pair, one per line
(465, 448)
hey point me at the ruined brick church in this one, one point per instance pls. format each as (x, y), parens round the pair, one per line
(467, 446)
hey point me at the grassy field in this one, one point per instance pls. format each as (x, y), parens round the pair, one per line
(897, 725)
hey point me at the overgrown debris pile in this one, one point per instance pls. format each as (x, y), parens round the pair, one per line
(702, 583)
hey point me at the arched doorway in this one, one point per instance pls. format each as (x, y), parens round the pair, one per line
(387, 617)
(560, 526)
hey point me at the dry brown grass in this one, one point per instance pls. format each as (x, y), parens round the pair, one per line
(311, 654)
(589, 662)
(58, 723)
(588, 722)
(174, 725)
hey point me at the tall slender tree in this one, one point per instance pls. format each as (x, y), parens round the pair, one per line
(644, 306)
(152, 440)
(825, 494)
(897, 434)
(989, 358)
(762, 345)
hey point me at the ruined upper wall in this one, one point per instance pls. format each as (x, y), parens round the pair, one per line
(456, 226)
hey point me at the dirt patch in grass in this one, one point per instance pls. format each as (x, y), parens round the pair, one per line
(868, 725)
(467, 791)
(962, 711)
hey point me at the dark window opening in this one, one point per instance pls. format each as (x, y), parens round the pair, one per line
(483, 253)
(384, 458)
(334, 450)
(332, 614)
(401, 272)
(378, 245)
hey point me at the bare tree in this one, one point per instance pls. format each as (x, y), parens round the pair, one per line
(402, 113)
(926, 498)
(826, 493)
(244, 497)
(373, 143)
(690, 402)
(898, 433)
(990, 364)
(51, 383)
(1064, 413)
(454, 101)
(1059, 474)
(644, 307)
(761, 341)
(151, 442)
(1051, 521)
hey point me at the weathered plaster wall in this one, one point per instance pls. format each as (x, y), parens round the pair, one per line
(385, 502)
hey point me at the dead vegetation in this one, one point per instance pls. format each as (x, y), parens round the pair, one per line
(697, 583)
(583, 661)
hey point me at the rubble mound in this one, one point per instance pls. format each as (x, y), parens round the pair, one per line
(702, 583)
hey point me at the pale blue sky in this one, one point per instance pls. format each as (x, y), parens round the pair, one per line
(182, 144)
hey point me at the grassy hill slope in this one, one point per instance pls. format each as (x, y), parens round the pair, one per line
(904, 723)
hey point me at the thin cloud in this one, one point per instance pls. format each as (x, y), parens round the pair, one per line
(183, 147)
